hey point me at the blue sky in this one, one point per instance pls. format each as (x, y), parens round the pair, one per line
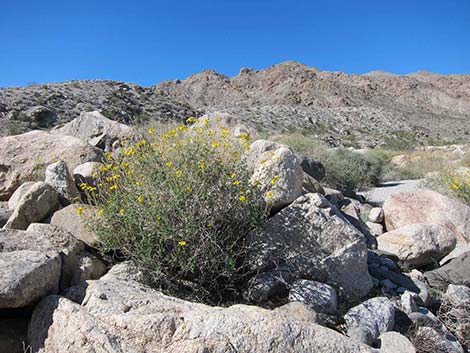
(149, 41)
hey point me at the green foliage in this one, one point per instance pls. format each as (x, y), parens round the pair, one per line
(180, 206)
(401, 141)
(455, 184)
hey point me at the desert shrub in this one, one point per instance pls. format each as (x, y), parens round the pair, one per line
(456, 317)
(305, 145)
(400, 141)
(455, 184)
(350, 171)
(427, 339)
(180, 205)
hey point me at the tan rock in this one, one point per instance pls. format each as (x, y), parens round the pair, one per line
(426, 206)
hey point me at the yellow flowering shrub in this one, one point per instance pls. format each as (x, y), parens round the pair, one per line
(180, 205)
(455, 184)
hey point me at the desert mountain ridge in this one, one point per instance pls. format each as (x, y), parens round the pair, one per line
(290, 96)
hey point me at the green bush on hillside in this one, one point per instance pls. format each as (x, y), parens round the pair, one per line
(180, 205)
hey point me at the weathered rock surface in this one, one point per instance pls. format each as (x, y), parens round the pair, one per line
(26, 276)
(311, 239)
(87, 173)
(96, 129)
(418, 244)
(373, 317)
(37, 203)
(279, 176)
(456, 271)
(75, 222)
(320, 297)
(426, 206)
(18, 194)
(58, 176)
(312, 167)
(24, 157)
(121, 315)
(393, 342)
(5, 213)
(376, 215)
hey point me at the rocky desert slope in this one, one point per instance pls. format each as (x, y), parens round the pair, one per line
(348, 109)
(330, 273)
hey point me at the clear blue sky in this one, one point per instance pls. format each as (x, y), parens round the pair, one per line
(149, 41)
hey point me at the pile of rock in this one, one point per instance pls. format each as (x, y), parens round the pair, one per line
(323, 263)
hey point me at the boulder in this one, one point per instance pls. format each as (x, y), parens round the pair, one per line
(431, 340)
(393, 342)
(96, 129)
(18, 194)
(311, 185)
(311, 239)
(427, 206)
(320, 297)
(376, 229)
(457, 295)
(5, 213)
(73, 219)
(373, 317)
(312, 167)
(376, 215)
(279, 176)
(24, 157)
(40, 201)
(27, 276)
(58, 176)
(87, 173)
(258, 149)
(119, 315)
(418, 244)
(456, 271)
(408, 302)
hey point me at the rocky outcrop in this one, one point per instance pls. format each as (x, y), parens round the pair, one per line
(96, 129)
(309, 239)
(320, 297)
(456, 271)
(119, 315)
(58, 176)
(426, 206)
(25, 157)
(40, 201)
(418, 244)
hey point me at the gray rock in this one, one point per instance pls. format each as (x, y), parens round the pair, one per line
(376, 215)
(312, 167)
(408, 302)
(87, 173)
(320, 297)
(334, 196)
(75, 222)
(41, 116)
(27, 276)
(313, 242)
(5, 213)
(457, 294)
(310, 185)
(376, 229)
(456, 271)
(376, 315)
(393, 342)
(458, 250)
(418, 244)
(432, 340)
(58, 176)
(18, 194)
(37, 203)
(24, 157)
(124, 316)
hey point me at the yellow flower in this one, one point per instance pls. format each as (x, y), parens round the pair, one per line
(121, 211)
(189, 188)
(233, 175)
(125, 164)
(242, 198)
(275, 179)
(151, 130)
(80, 210)
(255, 183)
(190, 119)
(138, 183)
(269, 194)
(202, 165)
(179, 173)
(169, 164)
(140, 198)
(182, 243)
(113, 187)
(215, 144)
(236, 182)
(100, 211)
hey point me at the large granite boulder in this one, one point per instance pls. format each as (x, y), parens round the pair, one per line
(24, 157)
(40, 201)
(418, 244)
(309, 239)
(426, 206)
(121, 315)
(456, 271)
(96, 129)
(59, 177)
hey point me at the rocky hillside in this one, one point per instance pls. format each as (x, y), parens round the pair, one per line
(44, 106)
(291, 95)
(348, 109)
